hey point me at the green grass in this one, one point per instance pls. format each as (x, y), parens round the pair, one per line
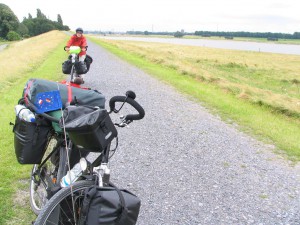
(259, 119)
(263, 78)
(14, 190)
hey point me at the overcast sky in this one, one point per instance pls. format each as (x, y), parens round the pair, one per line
(168, 15)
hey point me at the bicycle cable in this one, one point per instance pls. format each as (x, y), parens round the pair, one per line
(68, 160)
(116, 111)
(115, 149)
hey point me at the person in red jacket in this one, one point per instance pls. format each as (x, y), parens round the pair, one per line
(78, 40)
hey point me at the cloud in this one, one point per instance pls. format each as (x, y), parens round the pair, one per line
(169, 15)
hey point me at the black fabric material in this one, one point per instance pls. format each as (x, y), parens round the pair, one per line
(89, 128)
(109, 206)
(81, 67)
(88, 61)
(75, 155)
(83, 96)
(67, 66)
(30, 140)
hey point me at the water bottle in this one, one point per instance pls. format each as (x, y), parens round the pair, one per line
(24, 114)
(76, 171)
(71, 176)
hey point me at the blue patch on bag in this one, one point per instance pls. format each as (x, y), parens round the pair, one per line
(48, 101)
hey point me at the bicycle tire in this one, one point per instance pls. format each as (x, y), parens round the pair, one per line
(52, 171)
(52, 213)
(35, 207)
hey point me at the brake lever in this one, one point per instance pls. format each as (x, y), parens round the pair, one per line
(124, 123)
(120, 124)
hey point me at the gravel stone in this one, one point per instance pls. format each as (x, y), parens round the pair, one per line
(187, 165)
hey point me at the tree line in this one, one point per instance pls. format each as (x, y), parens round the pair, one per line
(295, 35)
(230, 35)
(11, 29)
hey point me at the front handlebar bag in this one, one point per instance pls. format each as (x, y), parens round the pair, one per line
(109, 205)
(30, 140)
(89, 128)
(67, 94)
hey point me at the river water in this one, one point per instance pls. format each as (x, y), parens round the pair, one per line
(223, 44)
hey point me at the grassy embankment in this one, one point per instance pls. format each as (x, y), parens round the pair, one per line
(38, 57)
(259, 91)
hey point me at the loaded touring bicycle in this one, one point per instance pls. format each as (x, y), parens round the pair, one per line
(69, 123)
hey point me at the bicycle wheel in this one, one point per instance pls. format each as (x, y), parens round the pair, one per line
(59, 209)
(46, 176)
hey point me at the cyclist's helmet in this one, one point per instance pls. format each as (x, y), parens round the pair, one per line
(79, 30)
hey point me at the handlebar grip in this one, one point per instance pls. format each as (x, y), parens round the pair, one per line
(130, 101)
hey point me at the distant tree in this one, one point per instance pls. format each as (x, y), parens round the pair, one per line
(40, 15)
(41, 24)
(178, 34)
(30, 26)
(65, 27)
(45, 27)
(13, 36)
(8, 20)
(248, 34)
(296, 35)
(146, 33)
(23, 30)
(59, 19)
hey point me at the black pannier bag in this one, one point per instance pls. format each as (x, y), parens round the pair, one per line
(88, 61)
(109, 206)
(67, 66)
(31, 139)
(81, 67)
(67, 93)
(89, 128)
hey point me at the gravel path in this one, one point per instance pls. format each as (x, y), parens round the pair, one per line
(186, 165)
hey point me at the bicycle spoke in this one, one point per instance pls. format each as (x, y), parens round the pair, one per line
(61, 210)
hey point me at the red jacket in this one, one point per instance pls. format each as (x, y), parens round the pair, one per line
(78, 41)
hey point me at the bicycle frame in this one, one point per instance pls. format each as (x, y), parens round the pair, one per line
(74, 58)
(38, 171)
(74, 51)
(102, 172)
